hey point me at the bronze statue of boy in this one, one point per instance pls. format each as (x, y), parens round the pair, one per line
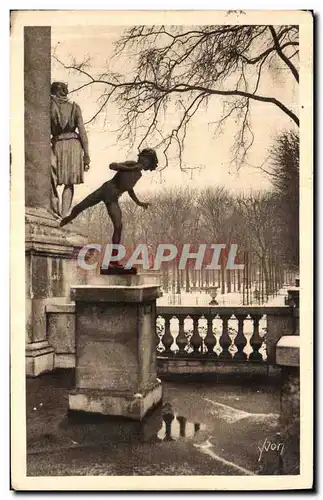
(128, 174)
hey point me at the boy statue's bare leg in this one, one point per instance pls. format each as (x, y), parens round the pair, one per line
(91, 200)
(115, 215)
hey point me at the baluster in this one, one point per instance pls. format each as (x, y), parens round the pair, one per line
(182, 426)
(240, 340)
(167, 338)
(157, 331)
(159, 324)
(196, 340)
(210, 339)
(256, 340)
(225, 340)
(168, 419)
(181, 340)
(160, 348)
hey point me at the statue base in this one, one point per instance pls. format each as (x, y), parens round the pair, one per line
(115, 366)
(104, 402)
(51, 266)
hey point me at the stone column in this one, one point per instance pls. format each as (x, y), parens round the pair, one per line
(279, 323)
(116, 348)
(50, 251)
(37, 81)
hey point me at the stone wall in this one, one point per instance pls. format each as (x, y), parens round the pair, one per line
(290, 419)
(287, 357)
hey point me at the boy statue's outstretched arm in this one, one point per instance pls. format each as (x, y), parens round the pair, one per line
(133, 196)
(127, 166)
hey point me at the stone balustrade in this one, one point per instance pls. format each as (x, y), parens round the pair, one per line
(204, 339)
(240, 335)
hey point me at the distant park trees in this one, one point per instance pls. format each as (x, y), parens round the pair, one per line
(212, 215)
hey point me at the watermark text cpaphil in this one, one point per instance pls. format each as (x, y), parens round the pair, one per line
(142, 255)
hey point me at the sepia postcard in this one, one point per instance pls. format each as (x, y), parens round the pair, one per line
(161, 250)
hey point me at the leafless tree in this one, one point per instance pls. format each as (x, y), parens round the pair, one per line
(282, 167)
(259, 230)
(182, 68)
(176, 222)
(216, 209)
(284, 172)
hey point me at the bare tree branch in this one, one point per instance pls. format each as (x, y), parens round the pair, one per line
(282, 55)
(180, 68)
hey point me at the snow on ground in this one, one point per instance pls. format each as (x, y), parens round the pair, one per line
(227, 299)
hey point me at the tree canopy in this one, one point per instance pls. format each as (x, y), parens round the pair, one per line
(184, 68)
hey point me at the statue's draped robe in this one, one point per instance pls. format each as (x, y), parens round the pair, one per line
(68, 146)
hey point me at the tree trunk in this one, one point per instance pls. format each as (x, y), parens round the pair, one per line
(244, 282)
(266, 277)
(187, 279)
(174, 277)
(222, 278)
(276, 276)
(207, 277)
(262, 282)
(229, 280)
(194, 278)
(178, 280)
(247, 277)
(165, 278)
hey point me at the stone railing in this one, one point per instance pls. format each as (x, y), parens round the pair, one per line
(224, 333)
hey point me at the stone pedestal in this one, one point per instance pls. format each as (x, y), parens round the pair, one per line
(51, 266)
(39, 358)
(116, 347)
(293, 300)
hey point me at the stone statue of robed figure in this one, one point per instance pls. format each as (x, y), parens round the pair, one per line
(70, 149)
